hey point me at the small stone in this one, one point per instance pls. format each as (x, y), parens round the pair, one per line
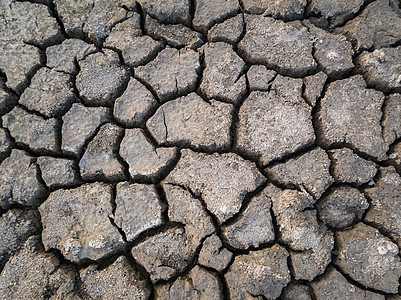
(177, 36)
(260, 78)
(16, 226)
(260, 273)
(287, 10)
(332, 52)
(254, 226)
(342, 207)
(296, 291)
(166, 254)
(198, 284)
(27, 275)
(190, 120)
(391, 118)
(300, 229)
(360, 108)
(138, 209)
(369, 258)
(79, 236)
(184, 208)
(63, 57)
(101, 78)
(168, 11)
(314, 87)
(309, 171)
(135, 105)
(51, 93)
(276, 123)
(348, 167)
(57, 172)
(103, 16)
(335, 286)
(5, 144)
(100, 158)
(382, 68)
(284, 47)
(118, 281)
(229, 31)
(80, 124)
(136, 50)
(378, 26)
(385, 209)
(208, 13)
(19, 181)
(222, 77)
(214, 255)
(38, 133)
(336, 12)
(19, 62)
(172, 73)
(222, 180)
(144, 159)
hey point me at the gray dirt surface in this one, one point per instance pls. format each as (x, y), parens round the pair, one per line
(200, 149)
(190, 120)
(269, 120)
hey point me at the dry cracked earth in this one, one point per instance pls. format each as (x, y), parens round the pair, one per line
(200, 149)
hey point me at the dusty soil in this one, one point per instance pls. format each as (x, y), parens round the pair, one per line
(199, 149)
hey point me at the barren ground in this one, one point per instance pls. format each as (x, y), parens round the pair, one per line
(200, 149)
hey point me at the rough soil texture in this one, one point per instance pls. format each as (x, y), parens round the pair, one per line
(200, 149)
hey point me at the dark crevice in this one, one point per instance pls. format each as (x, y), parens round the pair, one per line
(163, 201)
(116, 152)
(55, 15)
(120, 56)
(199, 73)
(192, 8)
(142, 15)
(33, 112)
(36, 152)
(245, 203)
(143, 275)
(320, 21)
(88, 139)
(218, 227)
(113, 213)
(20, 88)
(148, 86)
(382, 163)
(333, 163)
(291, 156)
(303, 96)
(224, 287)
(356, 283)
(383, 118)
(379, 227)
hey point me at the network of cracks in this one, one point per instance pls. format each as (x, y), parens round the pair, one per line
(200, 149)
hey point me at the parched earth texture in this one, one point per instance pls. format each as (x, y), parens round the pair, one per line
(200, 149)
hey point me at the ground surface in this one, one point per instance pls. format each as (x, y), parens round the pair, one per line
(225, 149)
